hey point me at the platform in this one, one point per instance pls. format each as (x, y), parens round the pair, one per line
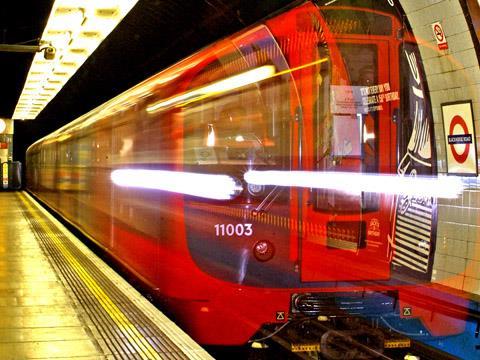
(59, 300)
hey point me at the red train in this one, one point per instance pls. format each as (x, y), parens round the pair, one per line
(244, 184)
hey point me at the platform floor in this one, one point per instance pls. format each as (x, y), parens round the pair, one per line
(58, 300)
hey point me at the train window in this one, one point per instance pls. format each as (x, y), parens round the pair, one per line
(344, 21)
(349, 139)
(234, 133)
(238, 127)
(361, 61)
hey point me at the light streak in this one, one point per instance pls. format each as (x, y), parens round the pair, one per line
(228, 84)
(211, 186)
(231, 83)
(356, 183)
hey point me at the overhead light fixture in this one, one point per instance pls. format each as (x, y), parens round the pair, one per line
(3, 125)
(74, 30)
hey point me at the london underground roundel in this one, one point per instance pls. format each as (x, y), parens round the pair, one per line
(459, 138)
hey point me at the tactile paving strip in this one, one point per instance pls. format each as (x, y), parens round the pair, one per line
(121, 328)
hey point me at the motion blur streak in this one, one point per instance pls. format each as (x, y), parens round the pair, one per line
(354, 183)
(219, 187)
(225, 85)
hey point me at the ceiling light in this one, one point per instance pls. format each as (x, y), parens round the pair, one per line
(74, 30)
(3, 125)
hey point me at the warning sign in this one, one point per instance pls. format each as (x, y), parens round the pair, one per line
(305, 347)
(407, 311)
(397, 343)
(460, 138)
(439, 35)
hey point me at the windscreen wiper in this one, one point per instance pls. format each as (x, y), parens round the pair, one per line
(268, 201)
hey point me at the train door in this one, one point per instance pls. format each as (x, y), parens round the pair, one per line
(344, 232)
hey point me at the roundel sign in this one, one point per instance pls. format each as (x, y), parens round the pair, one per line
(460, 138)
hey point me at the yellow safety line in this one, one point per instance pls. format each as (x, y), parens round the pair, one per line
(127, 328)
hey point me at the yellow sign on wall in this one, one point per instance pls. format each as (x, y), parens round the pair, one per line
(5, 175)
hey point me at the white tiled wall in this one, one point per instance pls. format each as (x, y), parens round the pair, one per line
(457, 259)
(452, 75)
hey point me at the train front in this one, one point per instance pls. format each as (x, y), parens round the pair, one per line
(299, 140)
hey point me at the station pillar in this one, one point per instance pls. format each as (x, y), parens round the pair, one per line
(11, 171)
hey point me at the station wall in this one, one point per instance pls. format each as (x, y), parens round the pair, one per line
(452, 75)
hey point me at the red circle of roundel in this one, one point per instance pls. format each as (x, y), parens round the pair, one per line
(460, 158)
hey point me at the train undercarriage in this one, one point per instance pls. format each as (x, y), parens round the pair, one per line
(334, 338)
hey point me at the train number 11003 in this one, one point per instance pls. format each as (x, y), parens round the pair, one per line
(233, 230)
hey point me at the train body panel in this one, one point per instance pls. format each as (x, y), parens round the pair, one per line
(159, 176)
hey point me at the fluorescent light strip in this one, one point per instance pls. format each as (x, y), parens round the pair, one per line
(75, 29)
(355, 183)
(210, 186)
(231, 83)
